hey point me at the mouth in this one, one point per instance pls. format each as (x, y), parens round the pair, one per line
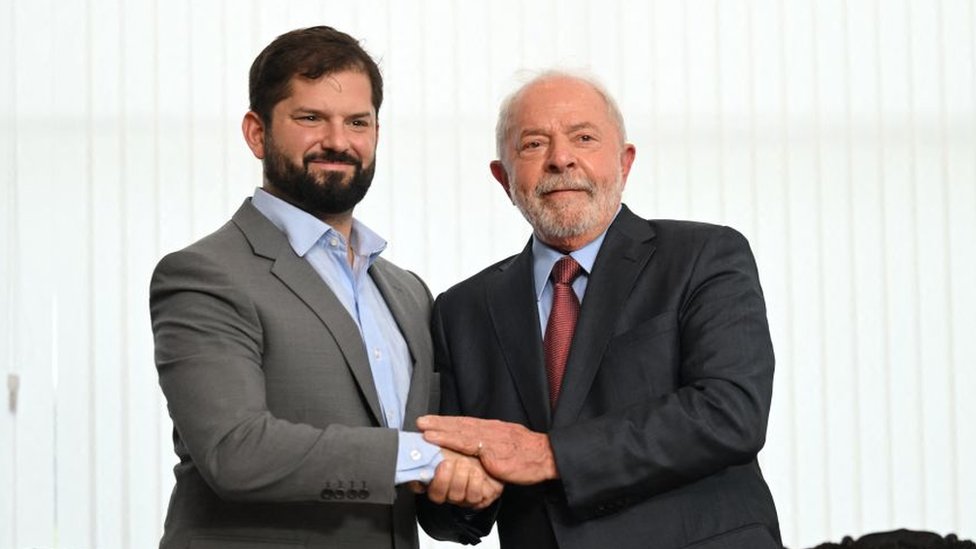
(331, 165)
(567, 193)
(333, 161)
(566, 190)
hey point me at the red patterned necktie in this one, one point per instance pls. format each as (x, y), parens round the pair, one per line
(562, 323)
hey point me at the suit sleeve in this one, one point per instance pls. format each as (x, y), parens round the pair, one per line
(717, 416)
(209, 344)
(448, 522)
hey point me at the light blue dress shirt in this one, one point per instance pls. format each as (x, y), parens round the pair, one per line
(326, 250)
(543, 260)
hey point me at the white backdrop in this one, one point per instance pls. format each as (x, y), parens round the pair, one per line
(838, 135)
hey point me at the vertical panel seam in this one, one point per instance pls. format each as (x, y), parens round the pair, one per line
(654, 125)
(15, 249)
(428, 230)
(947, 259)
(686, 82)
(719, 114)
(886, 276)
(821, 254)
(751, 92)
(458, 172)
(125, 351)
(853, 258)
(916, 270)
(53, 295)
(788, 267)
(972, 88)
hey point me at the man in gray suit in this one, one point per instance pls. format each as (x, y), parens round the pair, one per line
(294, 359)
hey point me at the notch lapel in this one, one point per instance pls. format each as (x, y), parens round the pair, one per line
(624, 254)
(511, 304)
(295, 273)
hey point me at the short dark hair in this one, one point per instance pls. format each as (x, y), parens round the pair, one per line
(311, 53)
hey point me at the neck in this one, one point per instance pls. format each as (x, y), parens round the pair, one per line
(570, 243)
(341, 221)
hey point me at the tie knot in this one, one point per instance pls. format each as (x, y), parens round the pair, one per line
(565, 270)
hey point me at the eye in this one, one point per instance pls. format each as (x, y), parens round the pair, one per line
(586, 138)
(360, 123)
(529, 145)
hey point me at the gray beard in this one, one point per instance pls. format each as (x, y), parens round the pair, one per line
(555, 223)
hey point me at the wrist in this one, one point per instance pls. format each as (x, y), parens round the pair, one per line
(549, 460)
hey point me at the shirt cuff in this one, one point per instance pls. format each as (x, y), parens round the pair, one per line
(416, 459)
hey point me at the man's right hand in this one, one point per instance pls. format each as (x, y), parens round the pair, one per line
(461, 480)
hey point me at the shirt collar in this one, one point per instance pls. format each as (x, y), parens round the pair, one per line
(304, 230)
(544, 257)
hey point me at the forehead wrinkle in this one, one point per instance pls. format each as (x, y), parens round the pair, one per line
(582, 126)
(546, 130)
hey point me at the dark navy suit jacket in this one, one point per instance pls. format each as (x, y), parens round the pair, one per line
(664, 402)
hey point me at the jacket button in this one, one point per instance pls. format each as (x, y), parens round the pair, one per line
(327, 494)
(340, 493)
(364, 493)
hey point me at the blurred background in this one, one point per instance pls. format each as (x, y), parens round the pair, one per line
(838, 135)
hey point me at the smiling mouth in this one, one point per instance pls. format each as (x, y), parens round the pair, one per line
(331, 164)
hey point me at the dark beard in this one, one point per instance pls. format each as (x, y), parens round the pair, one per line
(317, 194)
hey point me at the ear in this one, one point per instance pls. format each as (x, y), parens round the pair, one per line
(627, 160)
(253, 129)
(498, 171)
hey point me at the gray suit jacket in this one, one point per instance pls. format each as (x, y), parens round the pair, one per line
(277, 422)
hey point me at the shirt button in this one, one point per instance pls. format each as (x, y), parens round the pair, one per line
(377, 354)
(333, 242)
(415, 454)
(425, 475)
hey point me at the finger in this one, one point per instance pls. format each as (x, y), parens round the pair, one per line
(476, 486)
(417, 487)
(438, 487)
(465, 444)
(428, 422)
(491, 491)
(459, 484)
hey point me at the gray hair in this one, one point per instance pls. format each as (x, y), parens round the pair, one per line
(506, 112)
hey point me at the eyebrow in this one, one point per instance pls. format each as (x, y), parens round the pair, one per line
(323, 114)
(571, 129)
(582, 126)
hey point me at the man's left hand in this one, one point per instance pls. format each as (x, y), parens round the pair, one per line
(508, 451)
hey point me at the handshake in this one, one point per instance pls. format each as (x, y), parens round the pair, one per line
(480, 457)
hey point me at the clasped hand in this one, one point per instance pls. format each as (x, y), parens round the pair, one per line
(508, 452)
(480, 455)
(461, 480)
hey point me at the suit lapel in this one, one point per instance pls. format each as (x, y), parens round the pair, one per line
(301, 278)
(511, 304)
(415, 333)
(625, 252)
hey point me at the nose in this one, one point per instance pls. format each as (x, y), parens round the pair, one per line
(334, 137)
(561, 157)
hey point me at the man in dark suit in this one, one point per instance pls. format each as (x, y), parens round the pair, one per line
(617, 373)
(293, 358)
